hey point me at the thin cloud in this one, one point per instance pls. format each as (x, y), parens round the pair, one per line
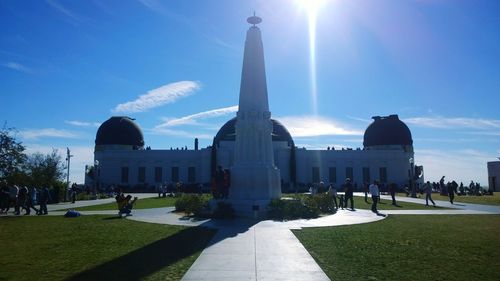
(454, 123)
(35, 134)
(82, 123)
(364, 120)
(18, 67)
(166, 94)
(226, 45)
(69, 15)
(310, 126)
(192, 119)
(180, 133)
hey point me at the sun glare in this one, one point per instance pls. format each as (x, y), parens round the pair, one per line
(312, 7)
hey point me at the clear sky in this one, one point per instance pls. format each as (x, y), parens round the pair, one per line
(175, 66)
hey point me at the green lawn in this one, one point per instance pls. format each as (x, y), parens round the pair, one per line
(488, 199)
(96, 248)
(459, 247)
(145, 203)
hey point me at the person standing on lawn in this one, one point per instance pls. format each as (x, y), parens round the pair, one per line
(349, 189)
(374, 191)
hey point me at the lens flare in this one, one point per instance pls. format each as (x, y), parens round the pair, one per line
(311, 7)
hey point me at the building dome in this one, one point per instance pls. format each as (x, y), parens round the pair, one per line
(388, 130)
(228, 132)
(119, 130)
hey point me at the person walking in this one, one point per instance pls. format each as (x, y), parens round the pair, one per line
(333, 193)
(365, 190)
(13, 192)
(392, 190)
(348, 189)
(4, 198)
(451, 193)
(374, 191)
(428, 193)
(31, 200)
(44, 200)
(21, 200)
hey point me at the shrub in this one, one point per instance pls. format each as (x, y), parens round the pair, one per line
(286, 209)
(190, 204)
(322, 203)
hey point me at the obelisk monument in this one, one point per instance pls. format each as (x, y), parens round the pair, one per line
(255, 180)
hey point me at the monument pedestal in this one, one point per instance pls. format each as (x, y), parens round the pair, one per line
(252, 188)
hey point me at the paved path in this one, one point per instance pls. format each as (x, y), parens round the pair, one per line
(265, 250)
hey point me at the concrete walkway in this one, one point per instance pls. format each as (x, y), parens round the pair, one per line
(265, 250)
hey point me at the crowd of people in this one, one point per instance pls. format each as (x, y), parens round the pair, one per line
(23, 198)
(473, 189)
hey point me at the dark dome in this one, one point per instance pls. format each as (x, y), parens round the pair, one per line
(387, 130)
(119, 130)
(228, 132)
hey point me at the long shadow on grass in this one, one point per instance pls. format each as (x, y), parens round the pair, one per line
(149, 259)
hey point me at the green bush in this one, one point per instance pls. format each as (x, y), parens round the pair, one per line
(321, 203)
(286, 209)
(190, 204)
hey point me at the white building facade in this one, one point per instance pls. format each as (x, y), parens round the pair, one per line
(122, 160)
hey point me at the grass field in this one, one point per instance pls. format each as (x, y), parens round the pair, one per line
(145, 203)
(460, 247)
(96, 248)
(488, 199)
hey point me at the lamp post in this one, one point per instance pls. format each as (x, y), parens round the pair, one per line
(68, 159)
(96, 175)
(412, 182)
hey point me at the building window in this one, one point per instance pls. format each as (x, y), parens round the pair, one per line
(141, 175)
(383, 175)
(158, 174)
(332, 174)
(315, 174)
(175, 174)
(366, 175)
(349, 173)
(124, 174)
(191, 174)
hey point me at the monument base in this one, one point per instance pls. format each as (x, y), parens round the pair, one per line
(254, 209)
(249, 182)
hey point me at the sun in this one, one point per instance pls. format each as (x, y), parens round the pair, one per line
(310, 6)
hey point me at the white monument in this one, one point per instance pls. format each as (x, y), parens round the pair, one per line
(255, 180)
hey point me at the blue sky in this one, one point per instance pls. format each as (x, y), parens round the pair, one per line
(175, 66)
